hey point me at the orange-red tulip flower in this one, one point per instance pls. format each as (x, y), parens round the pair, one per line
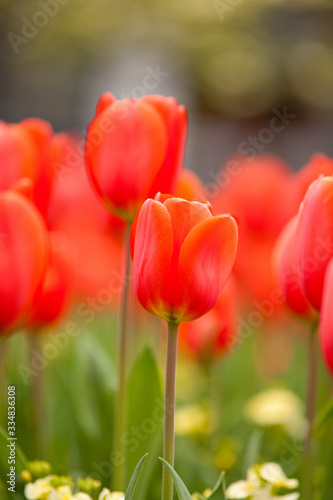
(318, 164)
(182, 257)
(214, 333)
(326, 319)
(315, 238)
(52, 300)
(287, 272)
(135, 148)
(23, 257)
(190, 187)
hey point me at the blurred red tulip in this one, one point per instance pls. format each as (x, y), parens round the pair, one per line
(18, 155)
(23, 257)
(288, 276)
(319, 164)
(315, 238)
(25, 152)
(52, 300)
(190, 187)
(182, 257)
(326, 319)
(213, 333)
(135, 148)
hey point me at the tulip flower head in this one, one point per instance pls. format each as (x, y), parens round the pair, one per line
(315, 238)
(182, 257)
(135, 148)
(23, 257)
(326, 319)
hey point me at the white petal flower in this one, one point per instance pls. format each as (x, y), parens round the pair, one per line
(106, 494)
(273, 474)
(239, 490)
(61, 493)
(81, 496)
(277, 407)
(39, 490)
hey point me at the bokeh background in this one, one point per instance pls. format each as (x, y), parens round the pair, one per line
(231, 62)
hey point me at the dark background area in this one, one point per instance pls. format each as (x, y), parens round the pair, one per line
(231, 62)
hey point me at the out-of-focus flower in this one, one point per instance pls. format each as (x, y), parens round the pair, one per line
(251, 190)
(106, 494)
(52, 300)
(264, 482)
(288, 277)
(40, 489)
(202, 496)
(194, 419)
(53, 488)
(277, 407)
(326, 319)
(190, 187)
(214, 333)
(315, 238)
(318, 164)
(134, 149)
(24, 252)
(182, 257)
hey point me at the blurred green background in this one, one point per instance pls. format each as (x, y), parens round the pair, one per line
(231, 62)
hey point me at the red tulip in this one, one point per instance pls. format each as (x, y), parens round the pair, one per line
(182, 257)
(23, 257)
(287, 272)
(52, 300)
(315, 238)
(317, 165)
(190, 187)
(134, 148)
(326, 319)
(214, 333)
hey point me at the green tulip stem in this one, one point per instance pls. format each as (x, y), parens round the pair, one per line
(311, 397)
(3, 363)
(121, 403)
(37, 396)
(169, 410)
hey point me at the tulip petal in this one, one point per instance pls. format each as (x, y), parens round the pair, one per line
(125, 147)
(205, 262)
(152, 254)
(184, 216)
(326, 319)
(175, 120)
(315, 238)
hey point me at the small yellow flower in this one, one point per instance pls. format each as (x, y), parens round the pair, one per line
(194, 419)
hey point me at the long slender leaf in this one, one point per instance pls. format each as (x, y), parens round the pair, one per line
(134, 479)
(182, 491)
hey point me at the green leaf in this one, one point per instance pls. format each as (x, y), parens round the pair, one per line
(323, 419)
(134, 479)
(252, 449)
(218, 492)
(144, 418)
(183, 493)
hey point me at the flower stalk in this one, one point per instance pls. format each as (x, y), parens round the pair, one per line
(169, 410)
(121, 403)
